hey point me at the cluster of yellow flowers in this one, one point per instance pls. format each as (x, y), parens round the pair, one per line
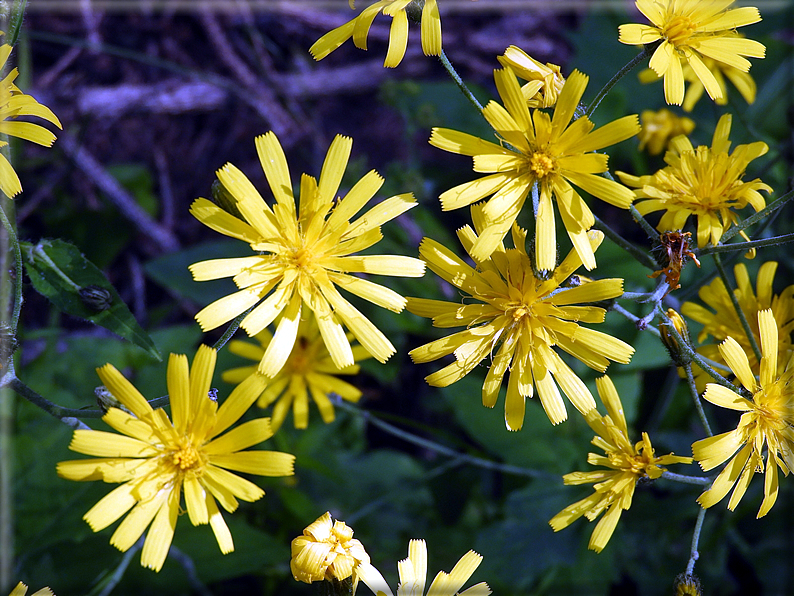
(519, 306)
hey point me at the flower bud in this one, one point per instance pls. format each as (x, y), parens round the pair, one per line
(678, 354)
(96, 298)
(326, 551)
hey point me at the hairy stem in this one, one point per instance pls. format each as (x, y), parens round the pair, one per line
(646, 52)
(696, 398)
(458, 81)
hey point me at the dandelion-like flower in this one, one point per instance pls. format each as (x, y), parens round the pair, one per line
(544, 81)
(326, 551)
(413, 576)
(552, 152)
(705, 182)
(358, 29)
(661, 126)
(626, 464)
(14, 103)
(724, 321)
(515, 320)
(691, 31)
(303, 254)
(767, 422)
(308, 370)
(156, 460)
(21, 589)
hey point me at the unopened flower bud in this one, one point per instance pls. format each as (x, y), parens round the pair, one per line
(96, 298)
(678, 353)
(326, 551)
(105, 400)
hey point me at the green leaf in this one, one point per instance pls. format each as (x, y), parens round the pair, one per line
(77, 287)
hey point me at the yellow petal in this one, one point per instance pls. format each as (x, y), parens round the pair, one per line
(124, 391)
(160, 534)
(274, 164)
(111, 507)
(243, 436)
(219, 527)
(133, 526)
(238, 402)
(283, 342)
(263, 463)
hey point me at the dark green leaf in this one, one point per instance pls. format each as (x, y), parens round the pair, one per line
(77, 287)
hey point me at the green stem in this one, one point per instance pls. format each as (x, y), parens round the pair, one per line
(756, 217)
(432, 445)
(693, 551)
(639, 255)
(737, 307)
(17, 304)
(646, 52)
(633, 318)
(647, 228)
(15, 22)
(696, 398)
(66, 415)
(231, 330)
(686, 348)
(458, 81)
(747, 245)
(699, 480)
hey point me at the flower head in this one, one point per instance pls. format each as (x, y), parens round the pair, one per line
(308, 370)
(626, 464)
(326, 550)
(413, 575)
(303, 254)
(691, 31)
(14, 103)
(21, 589)
(661, 126)
(358, 29)
(724, 321)
(767, 422)
(156, 460)
(535, 149)
(544, 81)
(705, 182)
(515, 320)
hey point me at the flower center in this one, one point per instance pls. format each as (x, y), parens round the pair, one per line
(541, 164)
(678, 30)
(186, 458)
(302, 258)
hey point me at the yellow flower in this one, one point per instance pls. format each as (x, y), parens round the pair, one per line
(626, 464)
(302, 254)
(326, 551)
(413, 575)
(659, 127)
(14, 103)
(689, 31)
(156, 460)
(705, 182)
(544, 81)
(309, 369)
(768, 421)
(514, 320)
(724, 321)
(21, 589)
(552, 152)
(358, 29)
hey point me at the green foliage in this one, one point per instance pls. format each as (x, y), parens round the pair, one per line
(60, 272)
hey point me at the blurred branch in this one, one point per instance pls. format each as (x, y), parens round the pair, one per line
(438, 448)
(118, 195)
